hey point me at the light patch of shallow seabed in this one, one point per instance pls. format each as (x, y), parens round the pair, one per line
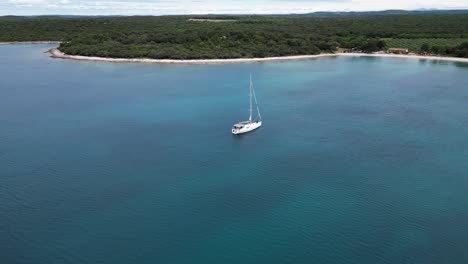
(359, 160)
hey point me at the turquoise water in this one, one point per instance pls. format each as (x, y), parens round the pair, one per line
(359, 160)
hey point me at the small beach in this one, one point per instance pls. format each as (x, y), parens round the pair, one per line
(55, 53)
(421, 57)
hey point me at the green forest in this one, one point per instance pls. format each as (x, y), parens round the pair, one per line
(209, 37)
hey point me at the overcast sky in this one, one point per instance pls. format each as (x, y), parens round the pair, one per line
(162, 7)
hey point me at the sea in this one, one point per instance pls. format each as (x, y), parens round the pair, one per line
(359, 160)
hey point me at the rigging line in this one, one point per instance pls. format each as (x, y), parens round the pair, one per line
(256, 103)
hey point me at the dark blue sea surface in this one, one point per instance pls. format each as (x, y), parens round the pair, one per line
(359, 160)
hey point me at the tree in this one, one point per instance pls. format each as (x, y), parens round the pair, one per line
(239, 36)
(381, 44)
(424, 48)
(437, 50)
(371, 45)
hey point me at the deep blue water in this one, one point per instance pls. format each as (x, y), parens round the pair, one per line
(359, 160)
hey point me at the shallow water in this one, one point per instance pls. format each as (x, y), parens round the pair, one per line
(359, 160)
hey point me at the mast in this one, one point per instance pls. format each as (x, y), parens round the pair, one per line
(256, 103)
(250, 110)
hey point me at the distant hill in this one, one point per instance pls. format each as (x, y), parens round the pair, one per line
(316, 14)
(387, 12)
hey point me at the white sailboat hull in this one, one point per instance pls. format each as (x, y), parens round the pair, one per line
(245, 127)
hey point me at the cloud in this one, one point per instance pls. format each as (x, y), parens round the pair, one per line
(160, 7)
(25, 1)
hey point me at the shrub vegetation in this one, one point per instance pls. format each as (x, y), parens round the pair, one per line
(204, 37)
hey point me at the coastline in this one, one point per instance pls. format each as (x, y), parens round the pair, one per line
(421, 57)
(55, 53)
(29, 42)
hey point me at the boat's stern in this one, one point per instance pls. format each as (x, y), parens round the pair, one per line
(237, 128)
(245, 127)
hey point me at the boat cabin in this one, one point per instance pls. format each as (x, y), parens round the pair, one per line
(241, 124)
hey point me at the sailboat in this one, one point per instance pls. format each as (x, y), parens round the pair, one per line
(247, 126)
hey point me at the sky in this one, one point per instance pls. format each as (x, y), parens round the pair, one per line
(170, 7)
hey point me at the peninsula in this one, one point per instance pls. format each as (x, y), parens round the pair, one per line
(233, 37)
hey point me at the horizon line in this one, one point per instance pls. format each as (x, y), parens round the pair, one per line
(253, 13)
